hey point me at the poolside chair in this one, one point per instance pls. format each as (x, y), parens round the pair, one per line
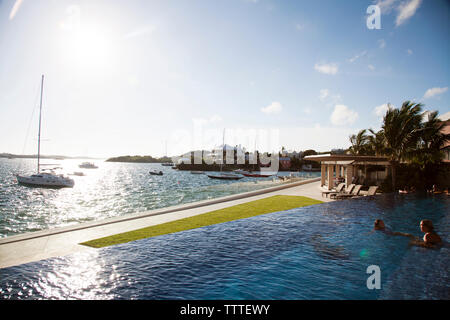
(353, 193)
(337, 190)
(372, 190)
(347, 190)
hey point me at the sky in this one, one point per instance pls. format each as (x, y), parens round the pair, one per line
(143, 77)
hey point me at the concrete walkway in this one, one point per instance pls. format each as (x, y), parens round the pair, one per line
(35, 246)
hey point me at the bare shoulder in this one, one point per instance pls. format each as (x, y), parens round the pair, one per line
(431, 238)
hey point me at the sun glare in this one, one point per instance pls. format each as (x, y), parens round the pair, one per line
(85, 44)
(88, 46)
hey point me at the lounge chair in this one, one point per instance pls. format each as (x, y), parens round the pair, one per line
(347, 190)
(372, 190)
(353, 193)
(337, 190)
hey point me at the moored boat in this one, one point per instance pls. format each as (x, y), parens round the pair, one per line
(46, 180)
(222, 175)
(167, 164)
(225, 176)
(256, 175)
(88, 165)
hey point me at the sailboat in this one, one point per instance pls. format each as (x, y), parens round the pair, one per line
(41, 179)
(222, 175)
(167, 164)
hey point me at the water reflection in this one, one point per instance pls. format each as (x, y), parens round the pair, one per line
(84, 276)
(114, 189)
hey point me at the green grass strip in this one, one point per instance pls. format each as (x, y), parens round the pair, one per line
(240, 211)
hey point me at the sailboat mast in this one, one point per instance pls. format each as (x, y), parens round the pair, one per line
(223, 150)
(40, 118)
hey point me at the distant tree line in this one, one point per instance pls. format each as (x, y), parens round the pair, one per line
(139, 159)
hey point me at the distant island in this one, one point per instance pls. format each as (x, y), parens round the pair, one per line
(139, 159)
(34, 156)
(288, 161)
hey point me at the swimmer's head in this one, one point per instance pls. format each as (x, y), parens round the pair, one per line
(426, 225)
(379, 225)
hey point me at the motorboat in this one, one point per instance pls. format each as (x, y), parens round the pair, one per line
(167, 164)
(77, 173)
(156, 173)
(88, 165)
(225, 176)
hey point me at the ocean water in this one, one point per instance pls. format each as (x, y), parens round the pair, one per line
(315, 252)
(114, 189)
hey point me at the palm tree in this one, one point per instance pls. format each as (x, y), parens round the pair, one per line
(359, 143)
(376, 142)
(432, 140)
(401, 130)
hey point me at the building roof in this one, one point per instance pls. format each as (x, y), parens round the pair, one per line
(346, 159)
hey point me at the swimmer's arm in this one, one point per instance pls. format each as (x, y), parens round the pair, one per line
(408, 235)
(420, 243)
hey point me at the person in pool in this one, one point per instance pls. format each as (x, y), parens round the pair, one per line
(379, 226)
(431, 239)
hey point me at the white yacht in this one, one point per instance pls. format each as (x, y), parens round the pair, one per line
(88, 165)
(46, 180)
(167, 164)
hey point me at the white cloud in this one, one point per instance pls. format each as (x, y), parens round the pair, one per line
(371, 67)
(386, 6)
(274, 108)
(329, 98)
(382, 43)
(342, 115)
(406, 10)
(15, 9)
(380, 111)
(324, 93)
(434, 91)
(356, 57)
(327, 68)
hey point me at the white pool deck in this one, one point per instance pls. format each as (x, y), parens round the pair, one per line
(35, 246)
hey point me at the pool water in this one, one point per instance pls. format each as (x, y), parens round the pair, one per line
(316, 252)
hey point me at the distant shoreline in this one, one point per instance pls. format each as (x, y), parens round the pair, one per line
(138, 159)
(34, 156)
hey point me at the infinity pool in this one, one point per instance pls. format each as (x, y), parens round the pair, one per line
(316, 252)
